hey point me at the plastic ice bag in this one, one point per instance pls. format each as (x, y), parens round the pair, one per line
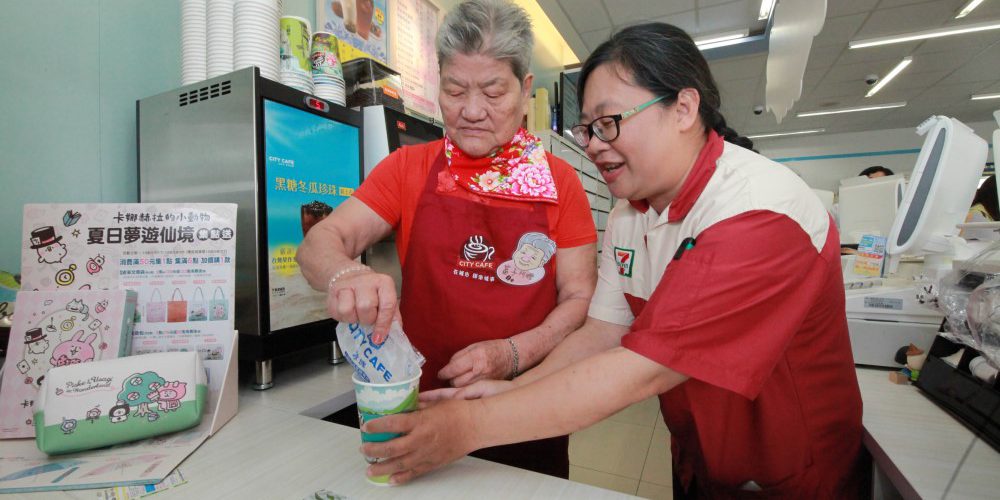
(395, 358)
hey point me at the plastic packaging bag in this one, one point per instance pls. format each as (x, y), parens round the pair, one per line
(956, 287)
(984, 319)
(395, 358)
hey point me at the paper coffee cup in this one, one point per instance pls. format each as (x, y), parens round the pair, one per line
(379, 400)
(323, 55)
(295, 39)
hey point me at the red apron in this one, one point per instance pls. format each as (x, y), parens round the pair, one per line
(453, 295)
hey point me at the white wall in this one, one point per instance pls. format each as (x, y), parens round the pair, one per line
(824, 159)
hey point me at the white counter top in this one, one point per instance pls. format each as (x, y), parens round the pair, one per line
(271, 449)
(277, 447)
(920, 447)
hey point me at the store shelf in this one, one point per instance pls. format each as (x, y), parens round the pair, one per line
(598, 195)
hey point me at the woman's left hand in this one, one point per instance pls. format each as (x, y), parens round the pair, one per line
(432, 437)
(487, 360)
(476, 390)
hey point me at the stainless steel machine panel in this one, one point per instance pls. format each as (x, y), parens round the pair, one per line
(198, 143)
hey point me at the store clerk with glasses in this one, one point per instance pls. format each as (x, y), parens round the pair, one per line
(719, 291)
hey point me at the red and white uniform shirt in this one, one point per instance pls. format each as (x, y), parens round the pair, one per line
(737, 284)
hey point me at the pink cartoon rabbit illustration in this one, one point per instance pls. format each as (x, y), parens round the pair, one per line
(171, 394)
(75, 350)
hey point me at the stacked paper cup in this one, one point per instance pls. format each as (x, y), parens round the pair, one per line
(255, 36)
(220, 37)
(328, 75)
(296, 69)
(194, 62)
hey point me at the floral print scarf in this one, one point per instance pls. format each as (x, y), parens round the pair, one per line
(516, 171)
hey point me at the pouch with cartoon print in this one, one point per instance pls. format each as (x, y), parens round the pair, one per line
(97, 404)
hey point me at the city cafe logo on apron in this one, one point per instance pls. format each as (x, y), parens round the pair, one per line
(624, 258)
(477, 254)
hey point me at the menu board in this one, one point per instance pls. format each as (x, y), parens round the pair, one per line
(313, 164)
(360, 23)
(413, 28)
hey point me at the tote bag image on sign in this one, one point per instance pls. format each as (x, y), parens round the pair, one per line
(177, 307)
(219, 307)
(156, 308)
(198, 308)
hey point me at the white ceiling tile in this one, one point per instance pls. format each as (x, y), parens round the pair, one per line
(940, 95)
(886, 4)
(908, 80)
(860, 120)
(964, 110)
(894, 52)
(837, 8)
(828, 90)
(910, 116)
(595, 38)
(687, 21)
(991, 89)
(731, 16)
(823, 57)
(940, 61)
(972, 112)
(810, 103)
(738, 68)
(979, 70)
(834, 75)
(813, 76)
(586, 15)
(970, 42)
(985, 12)
(838, 30)
(954, 5)
(709, 3)
(857, 72)
(738, 89)
(740, 104)
(639, 10)
(884, 22)
(891, 93)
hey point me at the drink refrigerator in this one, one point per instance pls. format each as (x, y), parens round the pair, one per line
(386, 130)
(286, 159)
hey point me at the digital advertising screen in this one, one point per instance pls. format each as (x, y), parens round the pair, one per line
(312, 164)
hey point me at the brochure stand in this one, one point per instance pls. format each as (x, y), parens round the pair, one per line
(23, 468)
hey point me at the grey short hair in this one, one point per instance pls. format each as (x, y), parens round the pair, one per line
(539, 241)
(495, 28)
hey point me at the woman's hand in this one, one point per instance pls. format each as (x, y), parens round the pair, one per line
(477, 390)
(432, 437)
(366, 297)
(487, 360)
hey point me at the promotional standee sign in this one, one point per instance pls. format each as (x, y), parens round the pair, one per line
(179, 258)
(311, 166)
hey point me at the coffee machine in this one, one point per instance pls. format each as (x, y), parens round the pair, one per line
(287, 159)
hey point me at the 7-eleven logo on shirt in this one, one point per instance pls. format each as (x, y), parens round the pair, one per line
(624, 258)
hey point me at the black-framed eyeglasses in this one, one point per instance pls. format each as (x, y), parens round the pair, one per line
(606, 128)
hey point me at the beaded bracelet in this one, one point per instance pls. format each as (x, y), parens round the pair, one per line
(513, 349)
(344, 272)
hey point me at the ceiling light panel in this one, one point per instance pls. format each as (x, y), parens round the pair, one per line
(924, 35)
(873, 107)
(782, 134)
(888, 78)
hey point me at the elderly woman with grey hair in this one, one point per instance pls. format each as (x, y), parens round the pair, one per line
(459, 208)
